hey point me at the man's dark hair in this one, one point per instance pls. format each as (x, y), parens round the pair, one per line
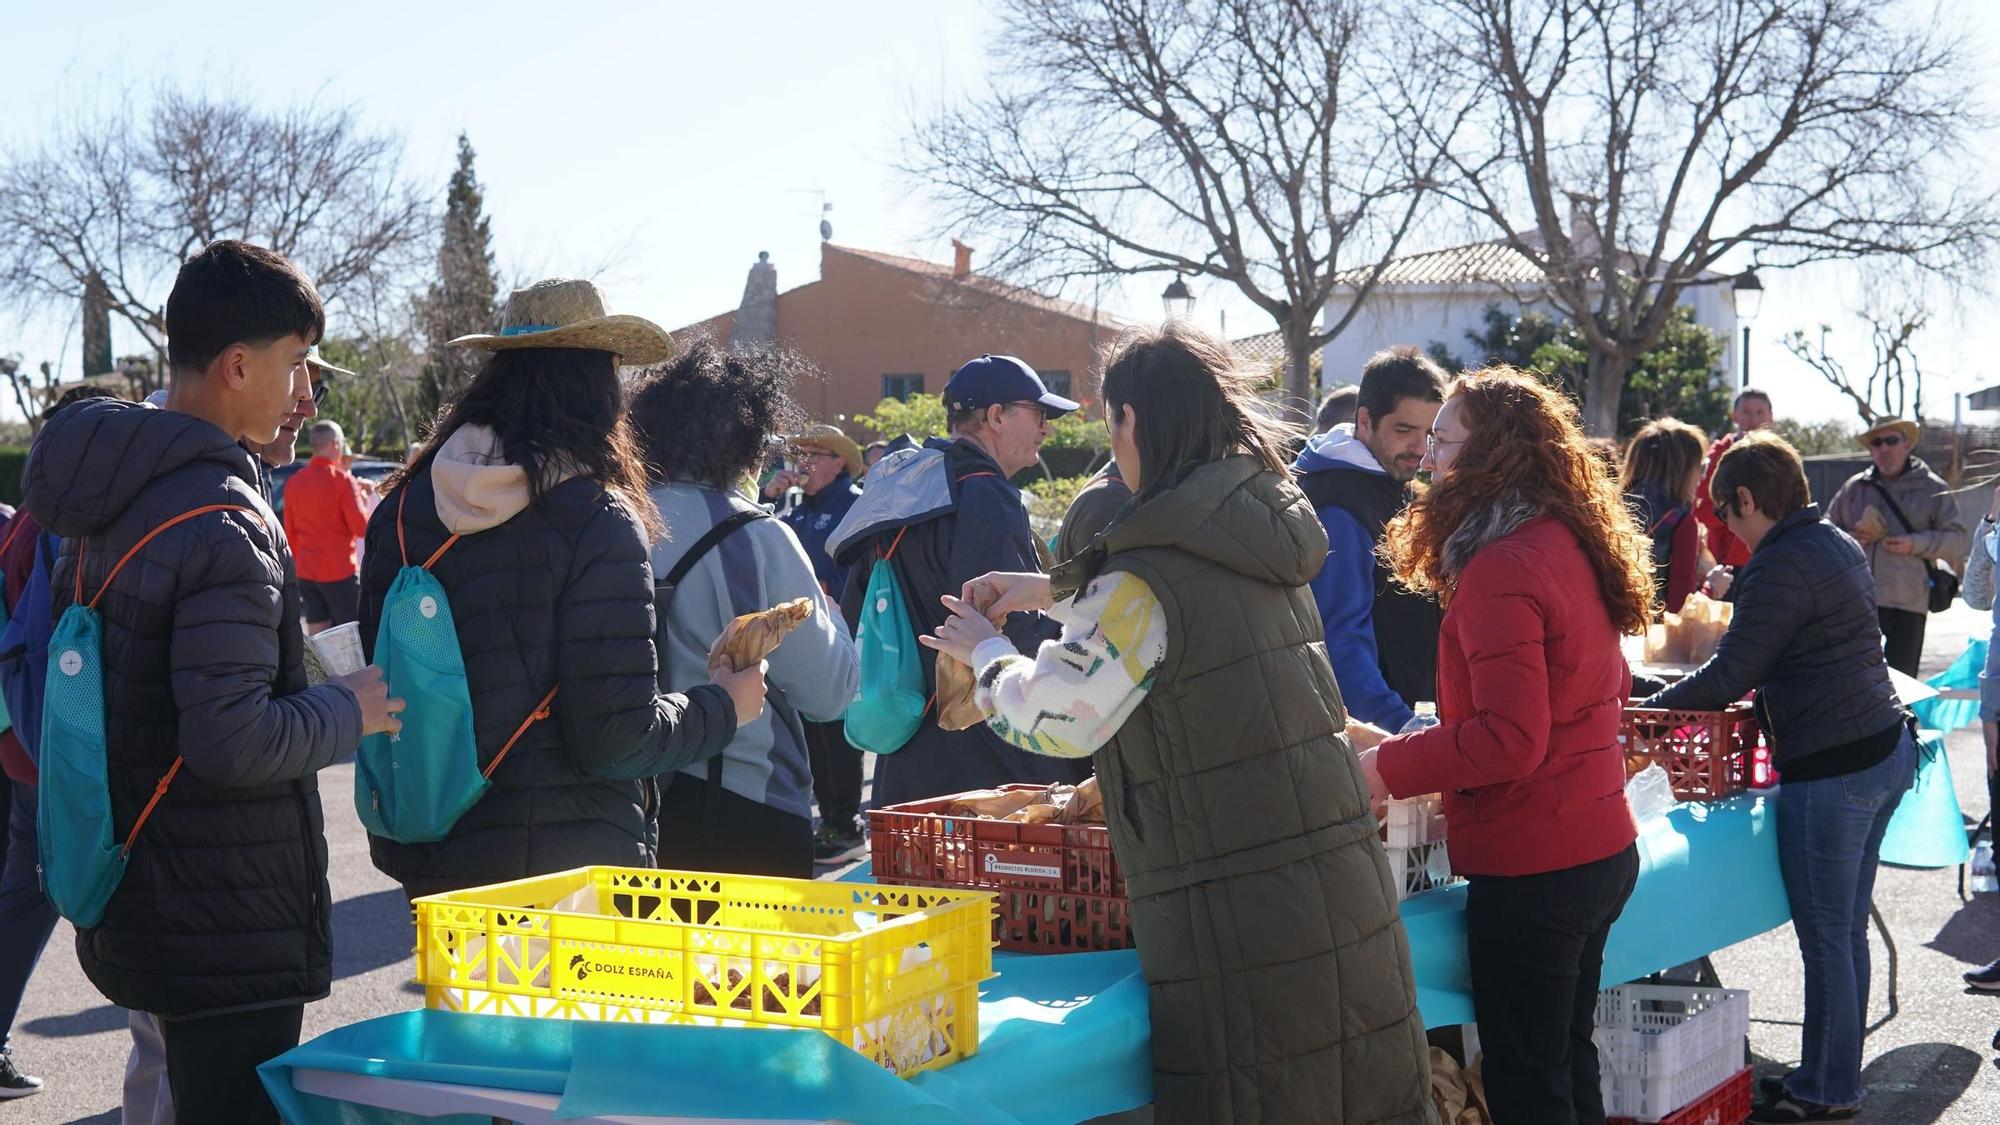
(1395, 374)
(1336, 408)
(710, 415)
(77, 394)
(1769, 467)
(230, 293)
(1750, 392)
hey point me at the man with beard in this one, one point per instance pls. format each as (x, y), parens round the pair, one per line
(1381, 638)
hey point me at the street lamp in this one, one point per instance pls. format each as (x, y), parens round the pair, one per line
(1177, 299)
(1749, 295)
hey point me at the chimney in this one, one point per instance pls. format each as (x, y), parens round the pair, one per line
(757, 317)
(1585, 241)
(961, 262)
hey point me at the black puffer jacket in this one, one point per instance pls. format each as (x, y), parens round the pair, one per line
(224, 905)
(560, 592)
(1805, 636)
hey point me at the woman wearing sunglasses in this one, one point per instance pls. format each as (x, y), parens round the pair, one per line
(1905, 518)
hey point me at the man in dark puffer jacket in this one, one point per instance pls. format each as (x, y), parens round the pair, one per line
(221, 923)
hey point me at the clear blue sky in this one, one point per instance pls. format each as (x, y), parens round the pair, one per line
(674, 141)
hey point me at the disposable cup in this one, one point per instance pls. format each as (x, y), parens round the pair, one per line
(339, 648)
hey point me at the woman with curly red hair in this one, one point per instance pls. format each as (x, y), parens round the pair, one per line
(1526, 540)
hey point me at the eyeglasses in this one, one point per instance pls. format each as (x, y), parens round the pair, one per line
(1886, 441)
(1433, 443)
(808, 456)
(1034, 406)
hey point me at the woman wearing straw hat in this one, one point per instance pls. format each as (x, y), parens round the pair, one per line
(529, 498)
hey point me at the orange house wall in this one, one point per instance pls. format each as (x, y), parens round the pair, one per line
(865, 319)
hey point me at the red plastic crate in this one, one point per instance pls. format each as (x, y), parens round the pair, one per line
(1727, 1104)
(1707, 754)
(1060, 889)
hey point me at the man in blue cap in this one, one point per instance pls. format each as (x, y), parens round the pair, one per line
(998, 413)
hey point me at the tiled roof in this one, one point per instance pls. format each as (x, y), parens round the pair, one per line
(1266, 349)
(992, 286)
(1478, 263)
(1494, 263)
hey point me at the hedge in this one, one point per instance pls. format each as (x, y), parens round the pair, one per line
(13, 458)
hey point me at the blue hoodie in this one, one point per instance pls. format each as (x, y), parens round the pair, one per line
(1345, 587)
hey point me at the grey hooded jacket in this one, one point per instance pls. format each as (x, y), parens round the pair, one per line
(812, 675)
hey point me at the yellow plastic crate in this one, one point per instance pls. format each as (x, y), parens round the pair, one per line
(893, 972)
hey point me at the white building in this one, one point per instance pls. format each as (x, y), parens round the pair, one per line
(1441, 295)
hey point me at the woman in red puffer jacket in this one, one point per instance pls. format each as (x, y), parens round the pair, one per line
(1525, 538)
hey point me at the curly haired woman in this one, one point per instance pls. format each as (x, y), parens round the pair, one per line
(705, 423)
(1525, 538)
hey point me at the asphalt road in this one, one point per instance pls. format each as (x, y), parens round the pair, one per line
(1927, 1062)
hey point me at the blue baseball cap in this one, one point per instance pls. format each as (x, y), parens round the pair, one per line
(995, 380)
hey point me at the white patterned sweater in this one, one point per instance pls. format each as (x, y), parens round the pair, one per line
(1074, 694)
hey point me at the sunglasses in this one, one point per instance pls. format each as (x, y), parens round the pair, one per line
(1886, 441)
(321, 388)
(1034, 406)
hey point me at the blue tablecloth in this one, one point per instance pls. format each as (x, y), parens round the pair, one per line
(1062, 1038)
(1928, 829)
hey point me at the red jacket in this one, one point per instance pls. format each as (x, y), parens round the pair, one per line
(1683, 564)
(17, 553)
(17, 558)
(1531, 689)
(324, 520)
(1727, 549)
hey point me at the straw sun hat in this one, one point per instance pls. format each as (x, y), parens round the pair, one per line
(565, 313)
(834, 441)
(1891, 425)
(319, 364)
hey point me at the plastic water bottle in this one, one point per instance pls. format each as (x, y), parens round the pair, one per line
(1650, 793)
(1983, 879)
(1425, 718)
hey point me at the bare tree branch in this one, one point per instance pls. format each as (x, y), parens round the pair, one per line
(130, 195)
(1776, 133)
(1260, 143)
(1894, 384)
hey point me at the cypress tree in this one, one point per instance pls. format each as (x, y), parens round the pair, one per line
(463, 298)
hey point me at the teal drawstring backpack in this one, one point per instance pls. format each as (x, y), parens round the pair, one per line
(412, 787)
(82, 861)
(890, 705)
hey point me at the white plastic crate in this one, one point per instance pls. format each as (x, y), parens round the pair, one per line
(1417, 820)
(1661, 1047)
(1418, 869)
